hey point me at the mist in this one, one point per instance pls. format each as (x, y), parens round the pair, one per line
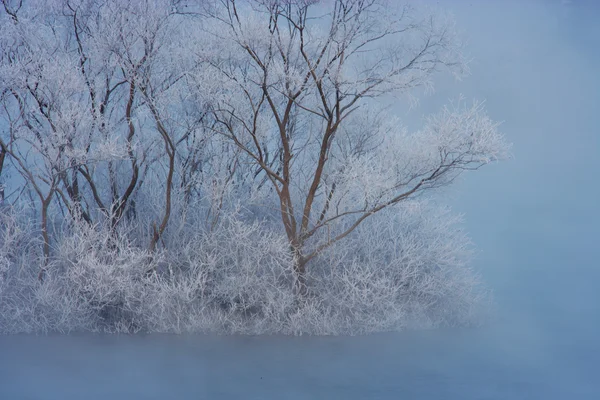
(534, 220)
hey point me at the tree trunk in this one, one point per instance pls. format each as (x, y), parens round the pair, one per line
(300, 284)
(45, 236)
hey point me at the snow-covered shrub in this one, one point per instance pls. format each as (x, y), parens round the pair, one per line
(406, 268)
(89, 284)
(26, 304)
(236, 278)
(106, 274)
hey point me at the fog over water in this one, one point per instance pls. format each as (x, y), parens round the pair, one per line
(535, 222)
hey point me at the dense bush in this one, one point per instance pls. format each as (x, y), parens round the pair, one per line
(402, 269)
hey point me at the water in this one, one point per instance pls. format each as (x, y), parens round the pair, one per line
(535, 220)
(494, 364)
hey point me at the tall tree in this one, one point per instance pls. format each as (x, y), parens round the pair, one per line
(296, 85)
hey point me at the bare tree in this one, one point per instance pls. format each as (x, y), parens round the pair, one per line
(296, 81)
(90, 88)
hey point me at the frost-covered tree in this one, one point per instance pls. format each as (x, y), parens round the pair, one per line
(230, 166)
(298, 85)
(92, 105)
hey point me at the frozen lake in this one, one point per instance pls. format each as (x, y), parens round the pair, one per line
(535, 219)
